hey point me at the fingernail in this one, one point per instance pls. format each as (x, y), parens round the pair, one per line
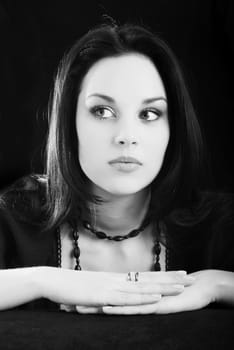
(190, 278)
(157, 296)
(179, 286)
(182, 272)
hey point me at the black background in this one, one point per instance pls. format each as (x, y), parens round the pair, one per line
(34, 35)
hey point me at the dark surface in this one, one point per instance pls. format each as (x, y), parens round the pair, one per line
(202, 329)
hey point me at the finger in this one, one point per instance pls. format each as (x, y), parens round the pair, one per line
(175, 277)
(153, 288)
(121, 298)
(67, 308)
(171, 305)
(167, 305)
(88, 309)
(179, 303)
(129, 310)
(163, 274)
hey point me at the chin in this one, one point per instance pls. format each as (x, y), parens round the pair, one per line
(124, 189)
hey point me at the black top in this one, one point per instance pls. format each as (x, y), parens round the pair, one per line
(205, 245)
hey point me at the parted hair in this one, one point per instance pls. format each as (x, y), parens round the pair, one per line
(179, 181)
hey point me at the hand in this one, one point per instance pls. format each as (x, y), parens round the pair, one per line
(150, 283)
(197, 295)
(71, 287)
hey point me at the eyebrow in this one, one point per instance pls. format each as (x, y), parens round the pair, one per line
(146, 101)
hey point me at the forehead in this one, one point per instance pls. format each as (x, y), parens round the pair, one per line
(129, 75)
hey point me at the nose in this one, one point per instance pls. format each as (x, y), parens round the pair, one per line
(124, 140)
(126, 132)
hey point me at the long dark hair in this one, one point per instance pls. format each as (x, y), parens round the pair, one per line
(179, 179)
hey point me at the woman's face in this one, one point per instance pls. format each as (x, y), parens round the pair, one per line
(122, 124)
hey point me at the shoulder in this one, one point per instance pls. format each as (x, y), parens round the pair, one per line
(205, 207)
(25, 198)
(210, 215)
(221, 245)
(221, 209)
(203, 234)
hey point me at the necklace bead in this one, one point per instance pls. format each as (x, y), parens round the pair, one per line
(118, 238)
(101, 235)
(157, 266)
(157, 248)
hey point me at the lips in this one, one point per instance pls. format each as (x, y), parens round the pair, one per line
(125, 160)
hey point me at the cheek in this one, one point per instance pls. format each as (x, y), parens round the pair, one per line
(92, 143)
(155, 152)
(157, 143)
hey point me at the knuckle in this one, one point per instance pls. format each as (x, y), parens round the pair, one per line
(120, 299)
(141, 287)
(107, 298)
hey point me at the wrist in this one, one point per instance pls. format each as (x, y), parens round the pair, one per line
(224, 287)
(40, 275)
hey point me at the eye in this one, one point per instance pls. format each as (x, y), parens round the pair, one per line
(150, 114)
(102, 112)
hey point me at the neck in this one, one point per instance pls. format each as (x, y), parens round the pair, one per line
(118, 215)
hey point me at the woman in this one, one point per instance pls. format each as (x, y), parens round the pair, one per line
(122, 198)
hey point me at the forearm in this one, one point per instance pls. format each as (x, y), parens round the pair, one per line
(225, 288)
(18, 286)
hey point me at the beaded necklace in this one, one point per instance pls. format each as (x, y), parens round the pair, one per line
(118, 238)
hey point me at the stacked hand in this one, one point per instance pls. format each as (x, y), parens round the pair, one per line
(93, 292)
(152, 292)
(174, 292)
